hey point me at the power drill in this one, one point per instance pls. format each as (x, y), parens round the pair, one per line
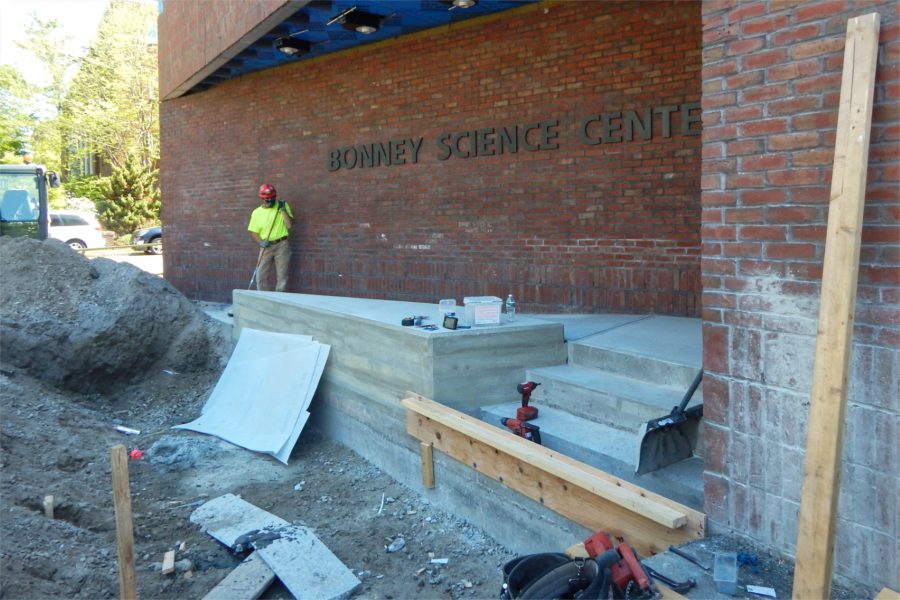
(525, 412)
(523, 429)
(627, 573)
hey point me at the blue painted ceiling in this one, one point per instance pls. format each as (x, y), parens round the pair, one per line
(310, 25)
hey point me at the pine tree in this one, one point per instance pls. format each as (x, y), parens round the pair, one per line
(130, 197)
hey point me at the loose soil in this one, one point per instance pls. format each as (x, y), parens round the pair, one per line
(90, 344)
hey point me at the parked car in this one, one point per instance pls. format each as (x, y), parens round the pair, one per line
(79, 230)
(150, 238)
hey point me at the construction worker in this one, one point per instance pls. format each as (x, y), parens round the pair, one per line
(269, 226)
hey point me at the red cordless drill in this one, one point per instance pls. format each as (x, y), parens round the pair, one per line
(626, 571)
(523, 429)
(525, 412)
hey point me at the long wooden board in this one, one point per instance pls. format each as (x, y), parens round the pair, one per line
(247, 581)
(828, 398)
(577, 491)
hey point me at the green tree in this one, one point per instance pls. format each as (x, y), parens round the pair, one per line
(46, 42)
(130, 197)
(16, 121)
(113, 104)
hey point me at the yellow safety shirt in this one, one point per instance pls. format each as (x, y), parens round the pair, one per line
(261, 222)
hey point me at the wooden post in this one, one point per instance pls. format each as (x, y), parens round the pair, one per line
(828, 399)
(427, 453)
(124, 532)
(48, 506)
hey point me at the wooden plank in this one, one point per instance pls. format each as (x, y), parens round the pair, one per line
(616, 491)
(246, 582)
(427, 453)
(572, 489)
(168, 563)
(828, 398)
(118, 457)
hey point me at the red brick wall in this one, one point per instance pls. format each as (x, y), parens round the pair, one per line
(771, 86)
(191, 39)
(582, 228)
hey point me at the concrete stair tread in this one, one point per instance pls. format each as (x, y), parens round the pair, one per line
(608, 449)
(617, 444)
(663, 397)
(677, 340)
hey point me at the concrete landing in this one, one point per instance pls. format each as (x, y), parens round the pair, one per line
(677, 340)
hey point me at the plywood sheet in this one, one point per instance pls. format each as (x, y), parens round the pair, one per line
(260, 401)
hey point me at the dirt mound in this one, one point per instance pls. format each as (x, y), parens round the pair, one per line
(91, 325)
(90, 344)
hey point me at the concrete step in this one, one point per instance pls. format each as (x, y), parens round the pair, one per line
(608, 449)
(603, 397)
(665, 350)
(634, 366)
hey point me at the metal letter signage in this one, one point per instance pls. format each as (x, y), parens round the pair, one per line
(602, 128)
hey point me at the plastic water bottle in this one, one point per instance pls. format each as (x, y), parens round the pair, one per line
(510, 308)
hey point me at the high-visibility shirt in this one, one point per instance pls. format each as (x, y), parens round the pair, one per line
(261, 222)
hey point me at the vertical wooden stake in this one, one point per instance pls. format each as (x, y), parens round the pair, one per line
(124, 533)
(427, 453)
(828, 398)
(48, 506)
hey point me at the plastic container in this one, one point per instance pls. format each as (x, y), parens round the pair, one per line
(725, 573)
(445, 307)
(483, 310)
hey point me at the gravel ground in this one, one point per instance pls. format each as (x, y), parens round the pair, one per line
(91, 344)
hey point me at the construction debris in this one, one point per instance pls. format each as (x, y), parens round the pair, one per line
(286, 370)
(306, 567)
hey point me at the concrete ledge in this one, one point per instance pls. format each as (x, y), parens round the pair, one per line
(371, 352)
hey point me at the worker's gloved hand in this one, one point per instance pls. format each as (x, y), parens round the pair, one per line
(281, 205)
(264, 244)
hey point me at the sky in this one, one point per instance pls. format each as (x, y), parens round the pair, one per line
(79, 19)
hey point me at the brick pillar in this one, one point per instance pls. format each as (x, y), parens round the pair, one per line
(771, 86)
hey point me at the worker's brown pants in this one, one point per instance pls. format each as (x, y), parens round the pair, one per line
(280, 255)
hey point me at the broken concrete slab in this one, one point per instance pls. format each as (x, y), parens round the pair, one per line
(306, 567)
(298, 558)
(229, 517)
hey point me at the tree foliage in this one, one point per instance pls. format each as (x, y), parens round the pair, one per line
(130, 197)
(38, 116)
(16, 121)
(108, 109)
(87, 186)
(112, 107)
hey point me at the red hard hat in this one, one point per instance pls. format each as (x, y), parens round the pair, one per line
(267, 192)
